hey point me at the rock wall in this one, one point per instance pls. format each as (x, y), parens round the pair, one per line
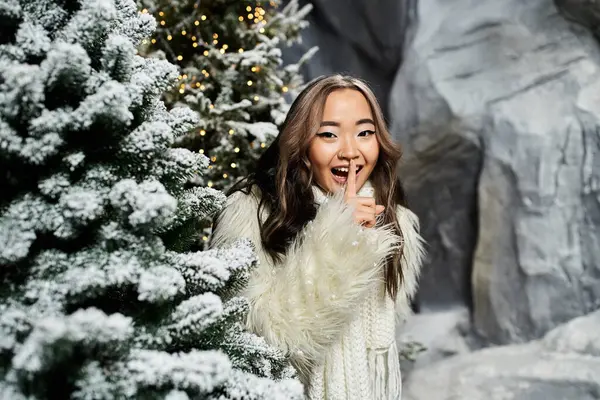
(584, 12)
(498, 103)
(565, 364)
(358, 37)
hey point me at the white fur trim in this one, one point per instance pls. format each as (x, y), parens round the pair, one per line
(304, 305)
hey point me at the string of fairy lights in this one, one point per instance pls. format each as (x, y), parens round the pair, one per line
(187, 27)
(183, 26)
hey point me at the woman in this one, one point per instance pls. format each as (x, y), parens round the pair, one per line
(339, 253)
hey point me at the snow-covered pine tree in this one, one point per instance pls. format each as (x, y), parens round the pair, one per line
(231, 73)
(98, 298)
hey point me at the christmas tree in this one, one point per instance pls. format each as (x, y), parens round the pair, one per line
(231, 73)
(99, 298)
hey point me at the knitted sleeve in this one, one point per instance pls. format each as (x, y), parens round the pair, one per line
(303, 305)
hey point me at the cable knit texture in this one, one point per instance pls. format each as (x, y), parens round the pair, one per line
(326, 304)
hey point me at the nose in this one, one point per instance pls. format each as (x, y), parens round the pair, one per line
(349, 149)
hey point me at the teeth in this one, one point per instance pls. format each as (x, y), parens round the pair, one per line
(345, 169)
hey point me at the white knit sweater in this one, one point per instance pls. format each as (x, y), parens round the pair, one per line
(326, 305)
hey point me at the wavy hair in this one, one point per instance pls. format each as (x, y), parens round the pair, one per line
(284, 177)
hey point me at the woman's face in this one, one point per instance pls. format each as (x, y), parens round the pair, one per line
(347, 132)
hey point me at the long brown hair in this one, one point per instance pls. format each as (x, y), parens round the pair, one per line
(284, 177)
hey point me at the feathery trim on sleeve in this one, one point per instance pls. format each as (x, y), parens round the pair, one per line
(303, 305)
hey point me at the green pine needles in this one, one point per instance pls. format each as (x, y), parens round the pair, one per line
(231, 72)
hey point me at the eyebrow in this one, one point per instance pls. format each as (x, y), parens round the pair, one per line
(359, 122)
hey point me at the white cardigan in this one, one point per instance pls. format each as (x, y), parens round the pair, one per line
(326, 305)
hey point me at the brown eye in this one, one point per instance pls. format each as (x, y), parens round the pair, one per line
(327, 135)
(366, 133)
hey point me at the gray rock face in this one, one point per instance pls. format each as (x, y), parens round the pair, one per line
(498, 105)
(559, 367)
(447, 206)
(439, 334)
(580, 335)
(585, 12)
(361, 38)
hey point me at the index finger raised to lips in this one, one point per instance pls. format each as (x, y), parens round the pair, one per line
(351, 180)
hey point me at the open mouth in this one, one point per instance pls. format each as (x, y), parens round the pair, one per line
(340, 174)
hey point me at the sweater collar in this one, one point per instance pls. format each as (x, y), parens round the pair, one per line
(367, 190)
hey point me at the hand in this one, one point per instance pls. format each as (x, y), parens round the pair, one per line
(365, 209)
